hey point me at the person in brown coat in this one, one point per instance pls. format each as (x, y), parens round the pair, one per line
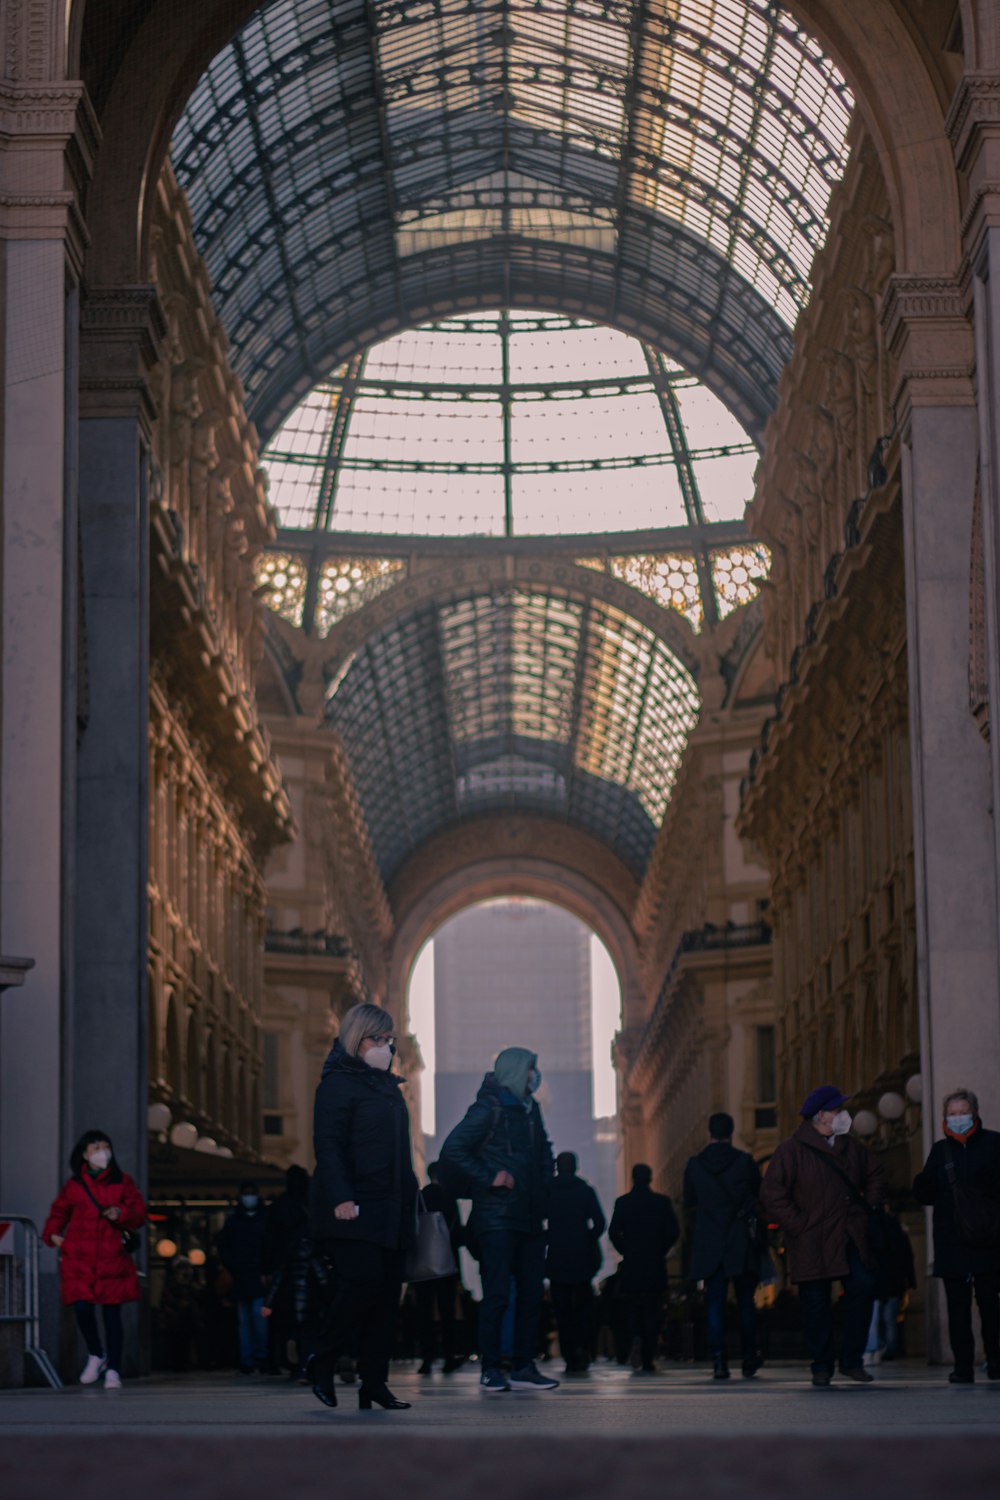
(816, 1186)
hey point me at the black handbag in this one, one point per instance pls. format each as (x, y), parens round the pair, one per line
(977, 1213)
(131, 1239)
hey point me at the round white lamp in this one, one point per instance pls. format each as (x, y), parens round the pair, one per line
(915, 1088)
(184, 1135)
(158, 1118)
(865, 1123)
(223, 1151)
(891, 1106)
(206, 1144)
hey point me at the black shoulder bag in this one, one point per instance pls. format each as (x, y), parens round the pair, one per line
(749, 1214)
(977, 1213)
(131, 1239)
(878, 1232)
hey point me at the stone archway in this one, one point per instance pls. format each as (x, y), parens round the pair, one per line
(426, 902)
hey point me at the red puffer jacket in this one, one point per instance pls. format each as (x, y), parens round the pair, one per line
(93, 1267)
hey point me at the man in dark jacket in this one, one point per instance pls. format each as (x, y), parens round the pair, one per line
(573, 1259)
(643, 1229)
(721, 1188)
(241, 1249)
(820, 1186)
(499, 1155)
(966, 1163)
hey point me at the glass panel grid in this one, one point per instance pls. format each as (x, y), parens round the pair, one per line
(517, 698)
(737, 575)
(334, 146)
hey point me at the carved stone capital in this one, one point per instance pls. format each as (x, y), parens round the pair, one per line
(120, 332)
(973, 114)
(48, 139)
(927, 331)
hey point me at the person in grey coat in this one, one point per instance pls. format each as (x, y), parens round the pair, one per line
(720, 1184)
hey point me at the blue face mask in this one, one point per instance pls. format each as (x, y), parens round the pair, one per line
(534, 1081)
(960, 1124)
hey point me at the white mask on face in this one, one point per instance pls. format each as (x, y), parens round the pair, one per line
(841, 1123)
(379, 1057)
(99, 1159)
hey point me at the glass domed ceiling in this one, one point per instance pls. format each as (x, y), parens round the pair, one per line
(509, 424)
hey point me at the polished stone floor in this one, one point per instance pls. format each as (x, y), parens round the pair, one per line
(208, 1437)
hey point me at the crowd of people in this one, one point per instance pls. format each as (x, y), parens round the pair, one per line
(321, 1271)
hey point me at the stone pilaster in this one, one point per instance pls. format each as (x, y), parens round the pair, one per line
(954, 855)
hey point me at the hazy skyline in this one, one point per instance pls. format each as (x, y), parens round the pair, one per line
(605, 1021)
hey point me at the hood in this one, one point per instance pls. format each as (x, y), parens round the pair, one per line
(511, 1069)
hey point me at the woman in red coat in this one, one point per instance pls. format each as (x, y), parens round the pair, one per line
(85, 1225)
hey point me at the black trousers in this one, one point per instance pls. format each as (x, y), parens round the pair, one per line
(86, 1318)
(506, 1256)
(646, 1314)
(817, 1315)
(360, 1316)
(959, 1292)
(573, 1305)
(439, 1294)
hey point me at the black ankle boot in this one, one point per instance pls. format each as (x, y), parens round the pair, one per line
(382, 1396)
(323, 1390)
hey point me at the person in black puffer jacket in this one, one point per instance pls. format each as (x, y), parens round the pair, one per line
(576, 1223)
(974, 1154)
(363, 1202)
(500, 1157)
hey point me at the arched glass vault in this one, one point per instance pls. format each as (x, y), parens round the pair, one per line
(367, 174)
(354, 165)
(514, 700)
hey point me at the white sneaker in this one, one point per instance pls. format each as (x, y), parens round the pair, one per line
(93, 1369)
(112, 1381)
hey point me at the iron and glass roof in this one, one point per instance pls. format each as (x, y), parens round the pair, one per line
(509, 424)
(357, 166)
(516, 699)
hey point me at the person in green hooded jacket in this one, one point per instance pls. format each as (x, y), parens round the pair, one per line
(500, 1157)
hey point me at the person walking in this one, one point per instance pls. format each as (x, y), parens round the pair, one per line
(721, 1189)
(296, 1274)
(573, 1259)
(500, 1156)
(86, 1223)
(820, 1186)
(960, 1181)
(241, 1250)
(895, 1275)
(643, 1229)
(440, 1293)
(363, 1204)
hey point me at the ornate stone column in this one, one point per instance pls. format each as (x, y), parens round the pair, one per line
(47, 140)
(954, 852)
(974, 126)
(120, 328)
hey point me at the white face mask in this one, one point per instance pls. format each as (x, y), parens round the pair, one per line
(379, 1057)
(960, 1124)
(841, 1123)
(99, 1159)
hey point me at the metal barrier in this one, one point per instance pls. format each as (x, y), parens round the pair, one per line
(19, 1290)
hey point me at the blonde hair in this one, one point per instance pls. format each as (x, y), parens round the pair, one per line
(361, 1021)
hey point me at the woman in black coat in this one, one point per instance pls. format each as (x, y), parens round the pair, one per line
(363, 1202)
(973, 1154)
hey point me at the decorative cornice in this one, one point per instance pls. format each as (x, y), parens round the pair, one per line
(976, 105)
(121, 329)
(34, 110)
(912, 298)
